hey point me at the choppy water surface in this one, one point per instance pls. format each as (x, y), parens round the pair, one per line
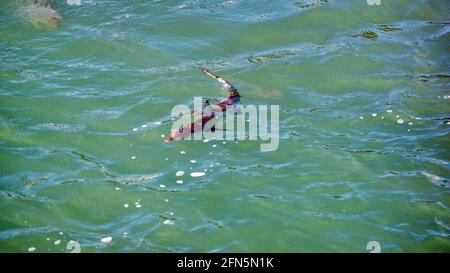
(364, 123)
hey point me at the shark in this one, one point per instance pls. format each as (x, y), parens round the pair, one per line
(209, 111)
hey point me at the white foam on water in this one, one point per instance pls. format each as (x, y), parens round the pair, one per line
(48, 239)
(410, 123)
(61, 233)
(168, 222)
(144, 125)
(182, 152)
(163, 135)
(106, 240)
(138, 206)
(179, 173)
(374, 114)
(197, 174)
(224, 142)
(162, 186)
(400, 121)
(117, 189)
(389, 110)
(135, 129)
(125, 205)
(193, 161)
(382, 117)
(31, 249)
(214, 146)
(179, 181)
(361, 117)
(206, 140)
(57, 242)
(166, 200)
(133, 157)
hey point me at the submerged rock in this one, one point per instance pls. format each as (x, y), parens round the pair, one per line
(40, 14)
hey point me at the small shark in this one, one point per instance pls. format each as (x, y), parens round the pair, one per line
(209, 110)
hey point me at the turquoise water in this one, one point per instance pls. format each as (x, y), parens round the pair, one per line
(364, 122)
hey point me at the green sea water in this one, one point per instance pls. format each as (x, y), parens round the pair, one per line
(363, 92)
